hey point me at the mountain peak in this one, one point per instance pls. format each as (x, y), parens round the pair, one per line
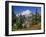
(25, 13)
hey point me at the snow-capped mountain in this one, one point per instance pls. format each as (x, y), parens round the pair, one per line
(26, 13)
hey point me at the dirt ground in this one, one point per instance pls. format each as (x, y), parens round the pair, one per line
(36, 27)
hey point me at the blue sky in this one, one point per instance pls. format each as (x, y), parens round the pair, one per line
(18, 9)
